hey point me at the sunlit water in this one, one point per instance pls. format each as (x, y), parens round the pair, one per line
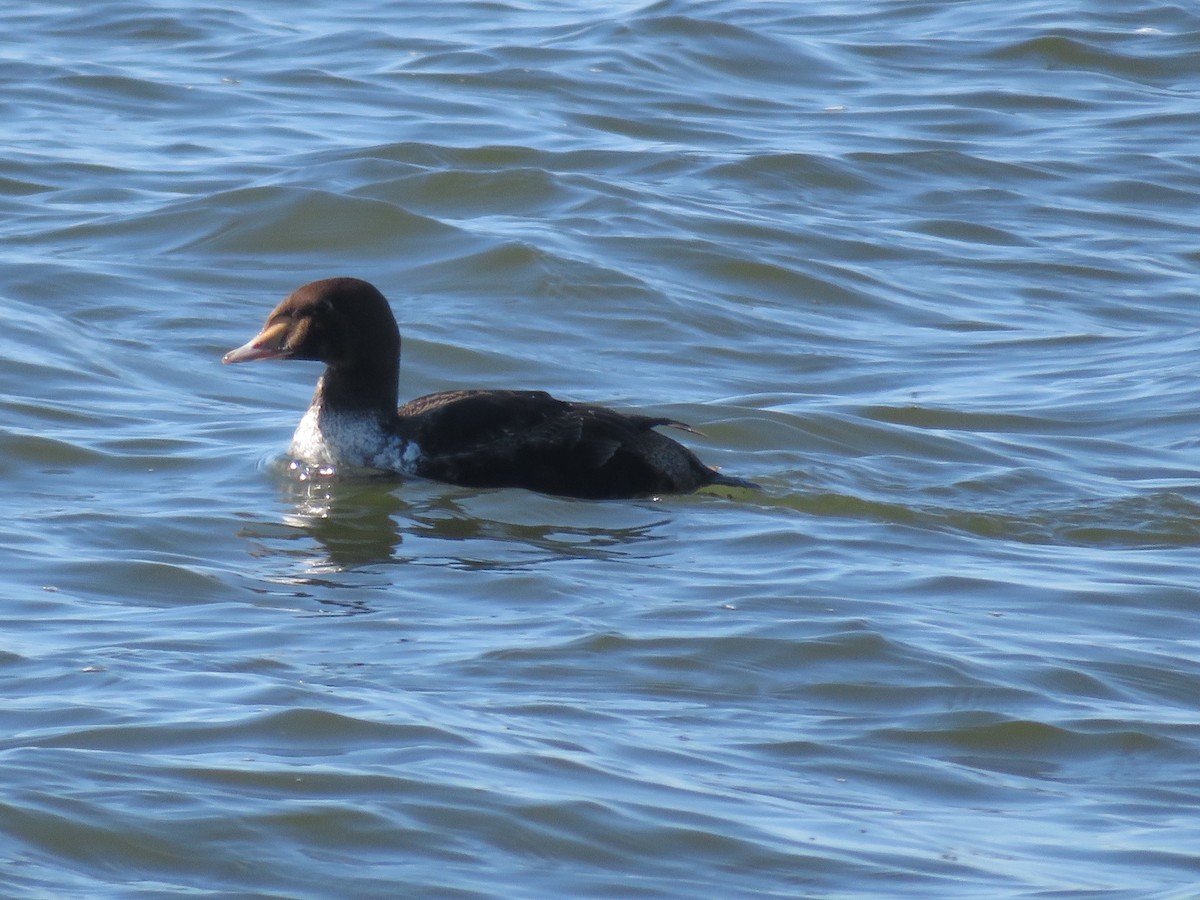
(926, 271)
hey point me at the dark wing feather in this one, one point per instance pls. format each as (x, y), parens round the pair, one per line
(531, 439)
(456, 422)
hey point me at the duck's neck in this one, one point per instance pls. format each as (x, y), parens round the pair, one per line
(366, 389)
(352, 423)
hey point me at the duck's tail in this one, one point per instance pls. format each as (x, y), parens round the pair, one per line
(734, 481)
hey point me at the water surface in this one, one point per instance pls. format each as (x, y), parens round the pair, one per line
(926, 271)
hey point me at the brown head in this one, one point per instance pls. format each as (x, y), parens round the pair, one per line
(345, 323)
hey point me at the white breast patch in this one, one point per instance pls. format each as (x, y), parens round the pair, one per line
(327, 437)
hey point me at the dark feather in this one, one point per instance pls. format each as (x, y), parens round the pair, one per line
(529, 438)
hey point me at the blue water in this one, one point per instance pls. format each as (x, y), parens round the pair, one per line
(926, 271)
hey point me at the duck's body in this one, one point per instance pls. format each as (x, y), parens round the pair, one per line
(475, 438)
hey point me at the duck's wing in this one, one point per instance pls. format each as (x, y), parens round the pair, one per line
(531, 439)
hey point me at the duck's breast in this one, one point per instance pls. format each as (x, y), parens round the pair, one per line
(351, 439)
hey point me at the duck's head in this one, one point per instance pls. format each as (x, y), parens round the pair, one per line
(345, 323)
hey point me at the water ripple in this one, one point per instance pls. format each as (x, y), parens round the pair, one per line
(925, 270)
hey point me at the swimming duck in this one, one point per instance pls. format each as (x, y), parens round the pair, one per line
(475, 438)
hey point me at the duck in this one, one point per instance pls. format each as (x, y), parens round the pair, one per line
(476, 438)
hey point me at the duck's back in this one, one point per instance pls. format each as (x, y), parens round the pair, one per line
(485, 438)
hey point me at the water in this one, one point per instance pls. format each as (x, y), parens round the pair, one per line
(927, 271)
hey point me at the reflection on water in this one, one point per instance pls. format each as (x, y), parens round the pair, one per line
(355, 522)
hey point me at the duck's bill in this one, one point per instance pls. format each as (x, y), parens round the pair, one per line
(270, 343)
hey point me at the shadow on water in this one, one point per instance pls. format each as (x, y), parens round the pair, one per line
(355, 523)
(335, 528)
